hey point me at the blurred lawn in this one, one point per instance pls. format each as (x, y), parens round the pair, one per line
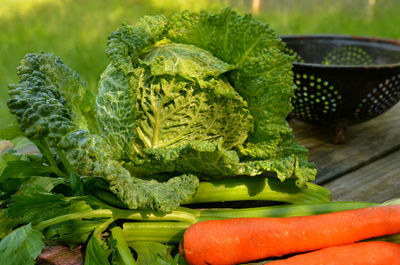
(77, 30)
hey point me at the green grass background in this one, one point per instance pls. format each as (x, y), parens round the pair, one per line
(76, 30)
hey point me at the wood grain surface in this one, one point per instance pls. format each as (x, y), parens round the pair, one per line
(365, 143)
(375, 182)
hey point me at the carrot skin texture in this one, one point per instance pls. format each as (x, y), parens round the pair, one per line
(363, 253)
(239, 240)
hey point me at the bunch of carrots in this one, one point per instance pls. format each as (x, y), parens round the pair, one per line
(327, 239)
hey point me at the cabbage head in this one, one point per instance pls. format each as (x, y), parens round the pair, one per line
(187, 97)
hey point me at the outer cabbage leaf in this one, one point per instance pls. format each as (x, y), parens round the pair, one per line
(206, 159)
(44, 114)
(38, 105)
(209, 160)
(64, 84)
(116, 109)
(91, 155)
(129, 42)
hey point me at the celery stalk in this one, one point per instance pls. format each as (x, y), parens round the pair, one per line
(124, 253)
(172, 232)
(258, 188)
(244, 189)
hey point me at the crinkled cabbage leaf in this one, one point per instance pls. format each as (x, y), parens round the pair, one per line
(186, 97)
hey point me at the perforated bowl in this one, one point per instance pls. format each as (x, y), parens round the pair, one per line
(343, 80)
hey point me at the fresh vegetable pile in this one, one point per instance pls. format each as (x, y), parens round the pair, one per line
(190, 110)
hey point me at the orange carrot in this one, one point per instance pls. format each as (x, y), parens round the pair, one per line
(364, 253)
(238, 240)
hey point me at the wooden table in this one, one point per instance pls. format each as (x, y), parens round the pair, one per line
(366, 167)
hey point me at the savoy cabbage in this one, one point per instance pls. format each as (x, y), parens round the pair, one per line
(186, 97)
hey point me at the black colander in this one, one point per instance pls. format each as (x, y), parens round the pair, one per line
(343, 80)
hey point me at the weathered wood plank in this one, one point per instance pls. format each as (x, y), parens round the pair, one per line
(376, 182)
(365, 142)
(60, 255)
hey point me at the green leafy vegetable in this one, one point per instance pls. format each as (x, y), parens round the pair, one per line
(152, 253)
(22, 246)
(188, 97)
(37, 206)
(95, 254)
(19, 170)
(7, 224)
(72, 232)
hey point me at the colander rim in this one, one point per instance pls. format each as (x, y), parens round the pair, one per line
(345, 37)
